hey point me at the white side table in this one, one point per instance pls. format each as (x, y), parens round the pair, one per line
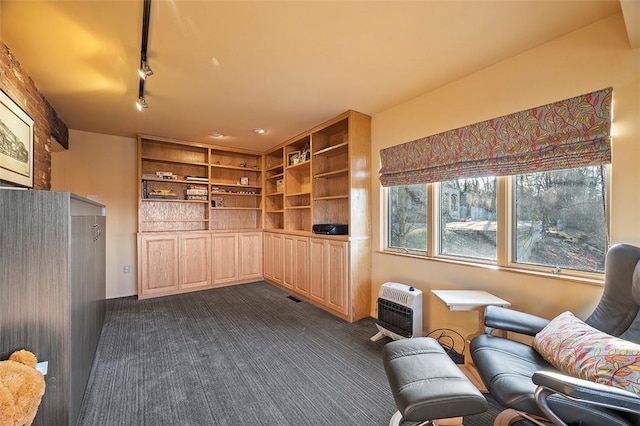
(470, 300)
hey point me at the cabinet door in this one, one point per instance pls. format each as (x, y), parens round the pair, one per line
(289, 243)
(158, 264)
(273, 257)
(195, 260)
(317, 288)
(225, 258)
(296, 263)
(301, 266)
(250, 255)
(268, 255)
(337, 280)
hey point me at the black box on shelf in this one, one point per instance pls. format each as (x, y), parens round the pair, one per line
(330, 229)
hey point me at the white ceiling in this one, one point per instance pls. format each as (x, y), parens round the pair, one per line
(285, 66)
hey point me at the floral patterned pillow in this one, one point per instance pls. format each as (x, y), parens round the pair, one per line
(580, 350)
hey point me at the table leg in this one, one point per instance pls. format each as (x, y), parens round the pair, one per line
(469, 369)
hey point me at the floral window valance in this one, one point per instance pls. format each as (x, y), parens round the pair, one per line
(575, 132)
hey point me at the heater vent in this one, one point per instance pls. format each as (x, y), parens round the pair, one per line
(399, 312)
(392, 294)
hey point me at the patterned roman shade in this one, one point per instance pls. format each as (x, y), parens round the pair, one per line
(575, 132)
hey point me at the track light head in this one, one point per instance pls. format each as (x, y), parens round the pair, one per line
(141, 104)
(145, 70)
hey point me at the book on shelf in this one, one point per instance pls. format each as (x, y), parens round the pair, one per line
(162, 194)
(197, 187)
(197, 178)
(197, 192)
(197, 197)
(160, 175)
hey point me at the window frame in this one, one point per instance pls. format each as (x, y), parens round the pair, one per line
(505, 233)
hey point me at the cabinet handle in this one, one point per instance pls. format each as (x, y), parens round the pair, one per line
(98, 232)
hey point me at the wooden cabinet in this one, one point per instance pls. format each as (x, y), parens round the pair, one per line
(52, 290)
(225, 258)
(321, 270)
(317, 267)
(249, 256)
(320, 176)
(296, 264)
(330, 280)
(236, 257)
(326, 174)
(273, 265)
(337, 279)
(176, 262)
(158, 270)
(195, 267)
(187, 193)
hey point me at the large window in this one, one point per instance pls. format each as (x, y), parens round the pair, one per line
(407, 217)
(561, 219)
(533, 194)
(468, 218)
(558, 220)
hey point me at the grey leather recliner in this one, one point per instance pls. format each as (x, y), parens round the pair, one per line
(522, 381)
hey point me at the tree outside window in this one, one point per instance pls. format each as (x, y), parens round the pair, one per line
(561, 219)
(408, 217)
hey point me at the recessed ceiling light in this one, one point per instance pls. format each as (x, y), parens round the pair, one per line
(217, 135)
(260, 131)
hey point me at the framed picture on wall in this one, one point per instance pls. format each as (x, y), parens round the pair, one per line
(16, 143)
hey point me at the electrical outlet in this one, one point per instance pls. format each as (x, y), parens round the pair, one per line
(42, 367)
(126, 269)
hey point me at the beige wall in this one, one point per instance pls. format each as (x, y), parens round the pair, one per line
(105, 166)
(592, 58)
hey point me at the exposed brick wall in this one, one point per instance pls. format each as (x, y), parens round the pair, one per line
(17, 84)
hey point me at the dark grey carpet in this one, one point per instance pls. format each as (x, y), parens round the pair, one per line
(237, 355)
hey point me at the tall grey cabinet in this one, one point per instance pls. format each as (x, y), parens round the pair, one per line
(52, 290)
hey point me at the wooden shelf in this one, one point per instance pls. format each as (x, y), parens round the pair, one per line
(298, 207)
(296, 194)
(166, 160)
(275, 211)
(234, 185)
(172, 200)
(174, 220)
(190, 182)
(276, 167)
(332, 174)
(332, 197)
(236, 208)
(225, 166)
(330, 151)
(234, 194)
(276, 177)
(299, 165)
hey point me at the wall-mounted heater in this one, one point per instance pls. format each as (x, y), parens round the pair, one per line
(399, 312)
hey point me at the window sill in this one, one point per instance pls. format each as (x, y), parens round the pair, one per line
(469, 263)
